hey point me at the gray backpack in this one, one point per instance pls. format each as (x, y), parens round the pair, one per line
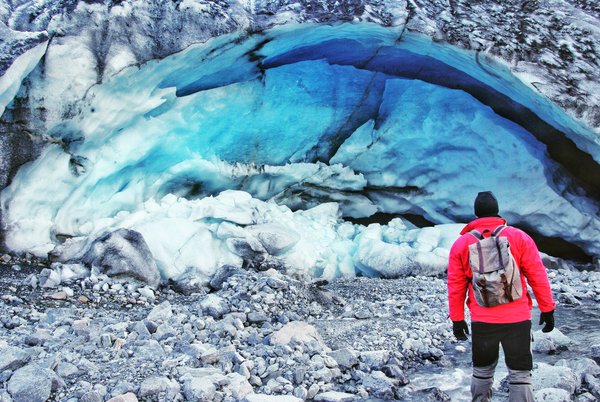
(496, 277)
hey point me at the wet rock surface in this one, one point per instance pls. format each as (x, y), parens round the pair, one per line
(260, 336)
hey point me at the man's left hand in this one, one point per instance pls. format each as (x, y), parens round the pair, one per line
(548, 319)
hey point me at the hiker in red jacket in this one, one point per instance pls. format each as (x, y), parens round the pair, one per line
(508, 324)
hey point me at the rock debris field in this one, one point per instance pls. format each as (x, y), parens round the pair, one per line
(68, 334)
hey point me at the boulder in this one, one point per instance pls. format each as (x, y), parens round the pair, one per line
(214, 306)
(128, 397)
(550, 342)
(91, 396)
(238, 386)
(334, 396)
(296, 331)
(49, 278)
(586, 397)
(66, 370)
(161, 312)
(375, 359)
(152, 387)
(270, 398)
(223, 273)
(199, 389)
(581, 366)
(552, 395)
(12, 358)
(593, 385)
(378, 384)
(257, 317)
(123, 253)
(32, 383)
(346, 358)
(547, 376)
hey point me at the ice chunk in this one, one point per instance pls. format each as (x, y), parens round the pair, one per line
(10, 82)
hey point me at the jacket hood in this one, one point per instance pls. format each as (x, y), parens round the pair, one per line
(494, 221)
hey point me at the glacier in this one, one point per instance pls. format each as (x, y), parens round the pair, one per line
(220, 153)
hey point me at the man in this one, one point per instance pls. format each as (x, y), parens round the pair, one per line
(508, 324)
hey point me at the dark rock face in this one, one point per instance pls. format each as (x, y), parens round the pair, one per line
(123, 252)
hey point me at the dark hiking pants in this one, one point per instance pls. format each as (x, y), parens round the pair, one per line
(515, 339)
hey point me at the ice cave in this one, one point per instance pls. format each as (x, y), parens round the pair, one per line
(338, 149)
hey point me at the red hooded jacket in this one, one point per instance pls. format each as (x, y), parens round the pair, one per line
(528, 260)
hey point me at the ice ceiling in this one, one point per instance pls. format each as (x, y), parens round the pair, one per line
(312, 114)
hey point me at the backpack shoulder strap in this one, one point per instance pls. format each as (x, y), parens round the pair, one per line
(498, 230)
(476, 234)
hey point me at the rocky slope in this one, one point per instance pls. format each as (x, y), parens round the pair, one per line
(68, 335)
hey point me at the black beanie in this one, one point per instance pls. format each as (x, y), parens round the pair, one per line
(486, 204)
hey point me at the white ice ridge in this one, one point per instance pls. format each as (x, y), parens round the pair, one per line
(194, 238)
(208, 119)
(11, 81)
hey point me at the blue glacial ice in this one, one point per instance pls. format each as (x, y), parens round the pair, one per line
(307, 124)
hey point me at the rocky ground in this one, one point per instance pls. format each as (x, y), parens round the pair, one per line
(70, 335)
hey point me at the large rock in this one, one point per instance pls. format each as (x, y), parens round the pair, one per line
(11, 358)
(552, 395)
(123, 253)
(296, 331)
(375, 359)
(582, 366)
(270, 398)
(334, 396)
(547, 376)
(128, 397)
(214, 306)
(238, 386)
(32, 383)
(199, 389)
(49, 278)
(153, 387)
(346, 358)
(378, 384)
(161, 313)
(223, 273)
(550, 342)
(5, 396)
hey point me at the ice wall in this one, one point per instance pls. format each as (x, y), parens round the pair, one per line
(303, 116)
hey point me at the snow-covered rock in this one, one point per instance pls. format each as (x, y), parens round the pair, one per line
(296, 331)
(552, 395)
(547, 376)
(123, 253)
(550, 342)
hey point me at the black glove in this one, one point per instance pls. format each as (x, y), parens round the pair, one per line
(547, 318)
(460, 329)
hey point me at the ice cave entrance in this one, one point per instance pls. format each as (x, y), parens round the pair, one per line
(378, 121)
